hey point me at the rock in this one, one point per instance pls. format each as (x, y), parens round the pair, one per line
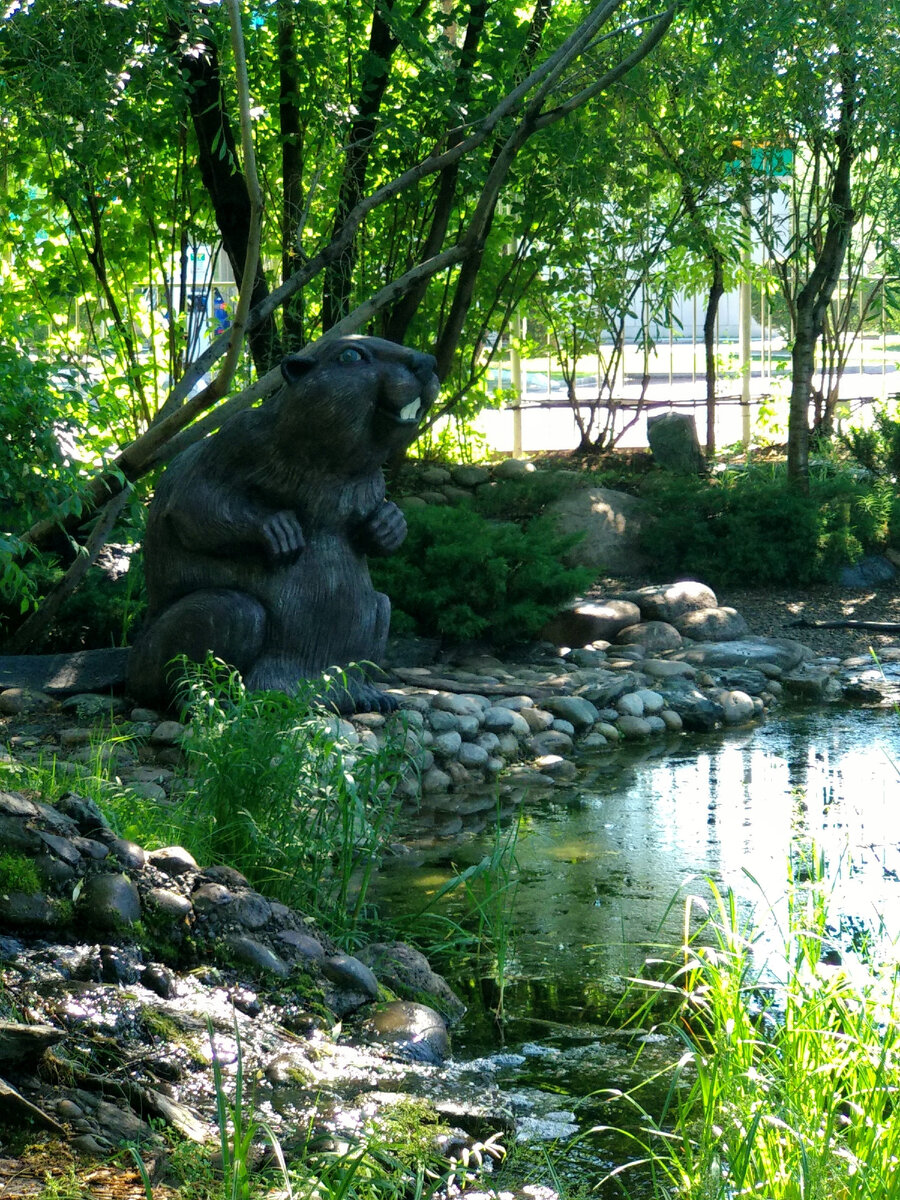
(251, 910)
(109, 902)
(21, 1113)
(88, 706)
(461, 705)
(129, 854)
(254, 954)
(586, 623)
(434, 476)
(579, 712)
(671, 600)
(447, 745)
(611, 523)
(513, 468)
(412, 1031)
(23, 1045)
(537, 719)
(551, 741)
(301, 946)
(16, 701)
(34, 910)
(63, 674)
(444, 722)
(630, 705)
(473, 757)
(499, 719)
(815, 684)
(633, 727)
(747, 652)
(654, 636)
(348, 972)
(168, 733)
(159, 980)
(674, 444)
(555, 767)
(663, 668)
(697, 712)
(13, 804)
(172, 860)
(671, 720)
(874, 568)
(169, 904)
(408, 972)
(737, 706)
(594, 741)
(652, 701)
(468, 476)
(436, 781)
(84, 812)
(712, 625)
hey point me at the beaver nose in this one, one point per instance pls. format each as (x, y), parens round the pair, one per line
(424, 365)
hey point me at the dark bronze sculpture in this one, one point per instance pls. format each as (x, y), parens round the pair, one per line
(257, 537)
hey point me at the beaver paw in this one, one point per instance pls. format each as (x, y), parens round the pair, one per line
(282, 537)
(382, 531)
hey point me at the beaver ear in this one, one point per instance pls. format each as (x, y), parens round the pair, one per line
(295, 366)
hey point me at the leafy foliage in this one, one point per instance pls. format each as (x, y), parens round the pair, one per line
(752, 528)
(274, 792)
(877, 447)
(459, 575)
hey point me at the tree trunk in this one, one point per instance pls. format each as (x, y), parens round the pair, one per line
(338, 282)
(815, 296)
(226, 186)
(716, 291)
(291, 172)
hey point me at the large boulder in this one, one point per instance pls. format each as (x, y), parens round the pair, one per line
(586, 623)
(712, 625)
(611, 523)
(668, 601)
(674, 443)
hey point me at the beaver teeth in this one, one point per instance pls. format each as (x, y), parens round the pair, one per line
(410, 412)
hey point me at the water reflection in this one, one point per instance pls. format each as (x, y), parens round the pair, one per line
(604, 867)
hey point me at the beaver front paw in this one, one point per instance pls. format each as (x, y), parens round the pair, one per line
(282, 537)
(382, 531)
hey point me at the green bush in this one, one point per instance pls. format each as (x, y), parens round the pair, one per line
(752, 528)
(459, 575)
(523, 499)
(877, 448)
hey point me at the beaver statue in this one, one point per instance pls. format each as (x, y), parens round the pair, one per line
(257, 537)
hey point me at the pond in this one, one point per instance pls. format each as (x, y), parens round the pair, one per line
(603, 869)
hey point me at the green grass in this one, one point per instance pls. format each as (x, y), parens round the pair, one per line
(787, 1088)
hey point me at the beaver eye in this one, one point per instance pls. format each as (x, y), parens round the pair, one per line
(349, 355)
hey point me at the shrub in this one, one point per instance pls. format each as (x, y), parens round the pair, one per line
(752, 528)
(460, 576)
(877, 448)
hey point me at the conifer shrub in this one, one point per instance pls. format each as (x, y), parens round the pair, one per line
(459, 575)
(752, 528)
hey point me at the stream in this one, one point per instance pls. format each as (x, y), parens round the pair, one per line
(603, 868)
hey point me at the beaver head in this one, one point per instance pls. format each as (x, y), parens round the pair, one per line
(348, 404)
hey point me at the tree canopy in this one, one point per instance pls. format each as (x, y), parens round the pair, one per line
(425, 169)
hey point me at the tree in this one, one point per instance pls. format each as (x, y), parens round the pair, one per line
(606, 263)
(825, 84)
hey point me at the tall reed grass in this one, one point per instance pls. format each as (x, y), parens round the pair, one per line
(789, 1082)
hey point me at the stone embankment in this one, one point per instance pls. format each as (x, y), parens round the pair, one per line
(640, 665)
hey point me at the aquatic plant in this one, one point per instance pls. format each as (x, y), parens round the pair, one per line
(788, 1083)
